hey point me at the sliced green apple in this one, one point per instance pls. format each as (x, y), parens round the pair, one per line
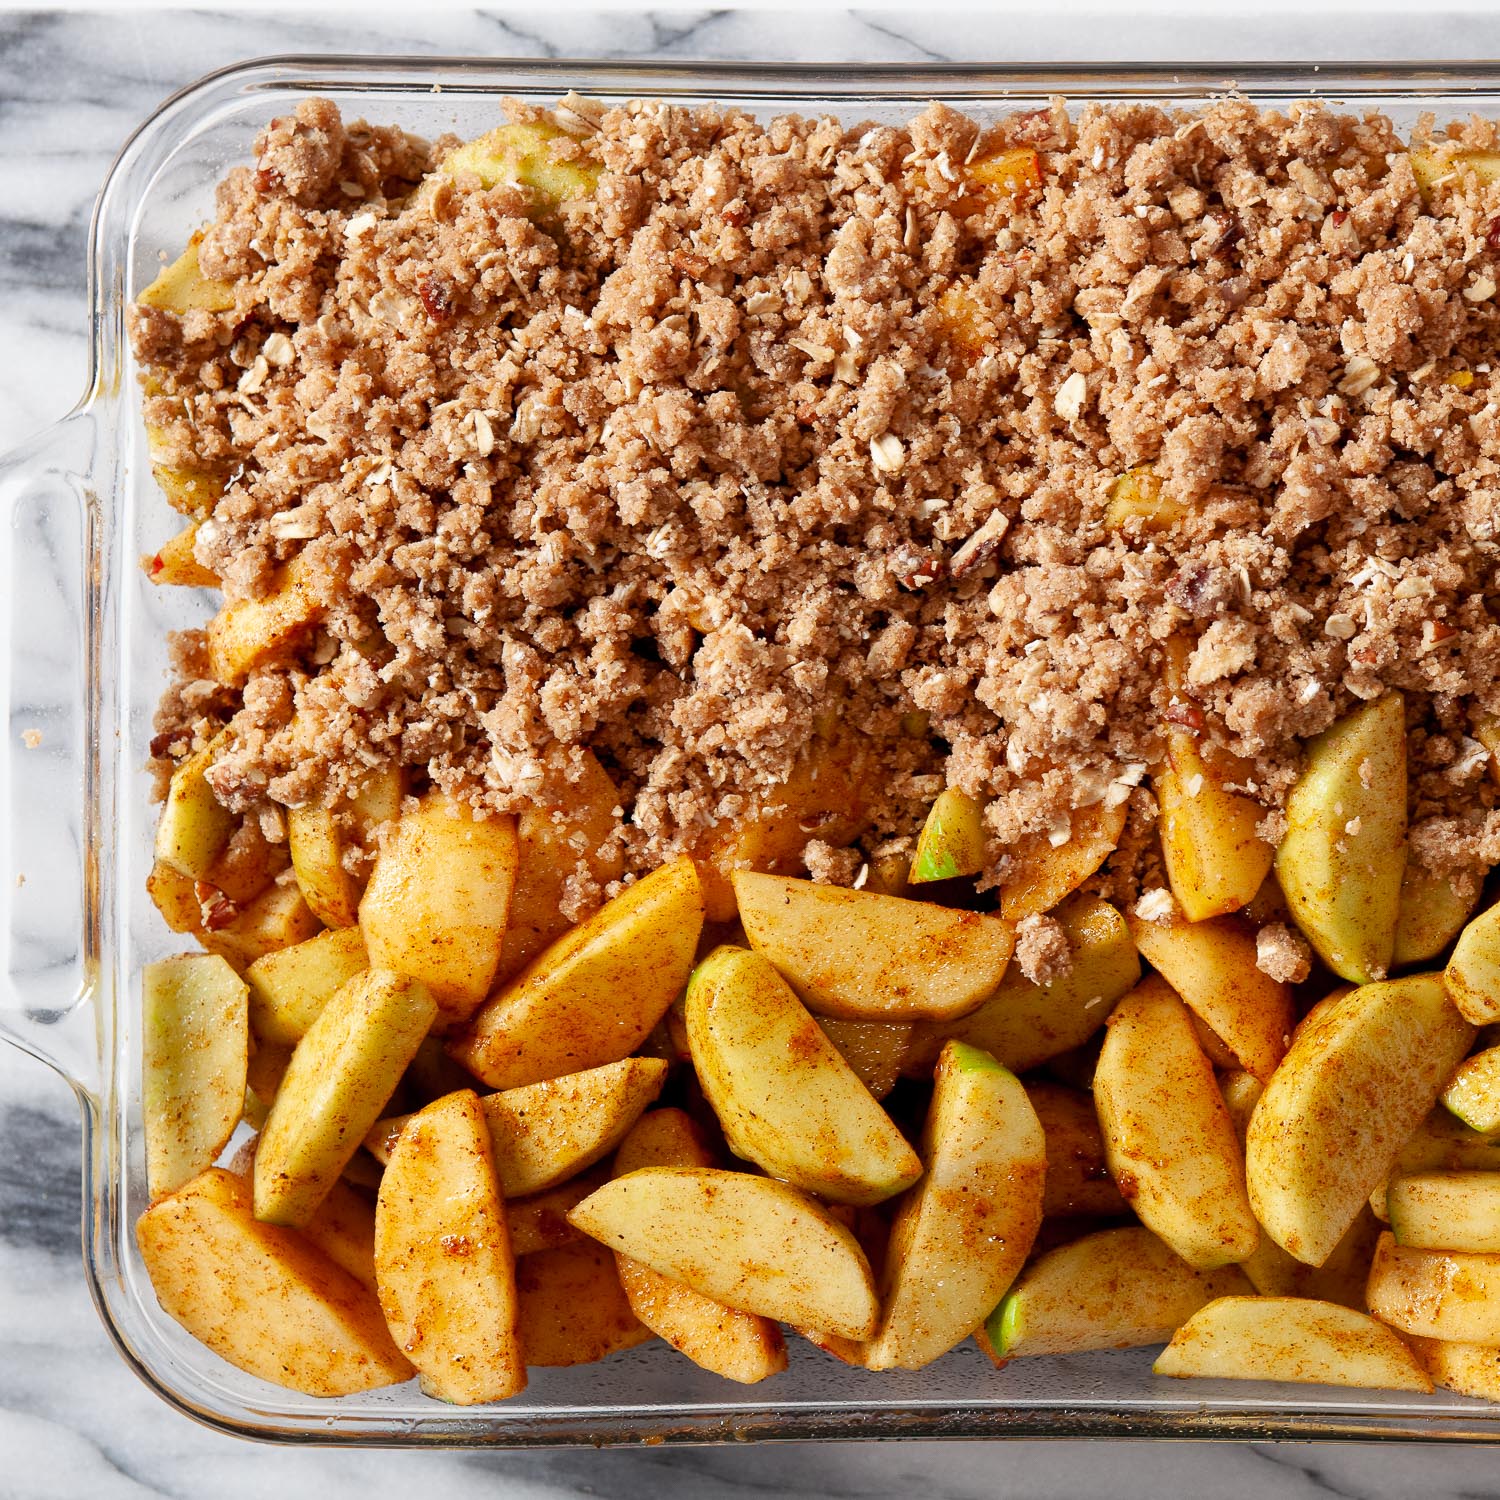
(1344, 855)
(785, 1096)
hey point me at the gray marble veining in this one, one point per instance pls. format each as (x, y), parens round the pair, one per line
(73, 1420)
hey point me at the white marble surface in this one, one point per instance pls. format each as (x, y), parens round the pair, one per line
(73, 1421)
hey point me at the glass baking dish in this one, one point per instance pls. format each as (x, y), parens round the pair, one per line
(87, 664)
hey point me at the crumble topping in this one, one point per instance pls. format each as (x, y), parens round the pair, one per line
(788, 427)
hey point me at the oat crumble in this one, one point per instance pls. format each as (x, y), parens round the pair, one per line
(706, 465)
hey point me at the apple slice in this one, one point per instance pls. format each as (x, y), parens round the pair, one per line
(1362, 1072)
(195, 1024)
(436, 904)
(1473, 973)
(1113, 1290)
(595, 994)
(550, 842)
(1168, 1137)
(959, 1239)
(263, 1298)
(1211, 965)
(1446, 1211)
(1433, 912)
(540, 1220)
(876, 1050)
(317, 849)
(1214, 858)
(786, 1099)
(1291, 1339)
(181, 287)
(1078, 1180)
(537, 155)
(951, 842)
(1274, 1273)
(341, 1076)
(1440, 1144)
(1436, 1294)
(250, 633)
(862, 957)
(749, 1242)
(1041, 873)
(544, 1133)
(1023, 1024)
(290, 987)
(1344, 854)
(195, 826)
(573, 1309)
(740, 1346)
(1468, 1369)
(1473, 1093)
(443, 1259)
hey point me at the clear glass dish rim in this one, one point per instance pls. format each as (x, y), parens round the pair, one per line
(106, 399)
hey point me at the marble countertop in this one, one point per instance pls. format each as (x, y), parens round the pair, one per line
(73, 1420)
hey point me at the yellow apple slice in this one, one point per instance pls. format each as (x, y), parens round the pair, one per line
(289, 988)
(195, 826)
(1168, 1137)
(1433, 913)
(749, 1242)
(1446, 1211)
(875, 1050)
(1078, 1180)
(1434, 168)
(1113, 1290)
(277, 918)
(544, 1133)
(739, 1346)
(1436, 1294)
(951, 842)
(1041, 873)
(786, 1099)
(1468, 1369)
(175, 564)
(863, 957)
(318, 859)
(249, 633)
(1274, 1273)
(443, 1259)
(959, 1239)
(1211, 965)
(595, 994)
(341, 1076)
(1473, 973)
(550, 841)
(574, 1310)
(537, 155)
(436, 904)
(1473, 1093)
(1441, 1143)
(1023, 1024)
(196, 1039)
(1362, 1072)
(1344, 854)
(261, 1297)
(540, 1220)
(1291, 1339)
(181, 287)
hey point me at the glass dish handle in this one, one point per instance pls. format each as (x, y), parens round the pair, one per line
(48, 503)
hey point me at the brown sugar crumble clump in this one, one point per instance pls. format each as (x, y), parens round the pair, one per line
(792, 429)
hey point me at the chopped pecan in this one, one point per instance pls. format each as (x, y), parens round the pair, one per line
(437, 298)
(981, 547)
(736, 213)
(218, 910)
(917, 567)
